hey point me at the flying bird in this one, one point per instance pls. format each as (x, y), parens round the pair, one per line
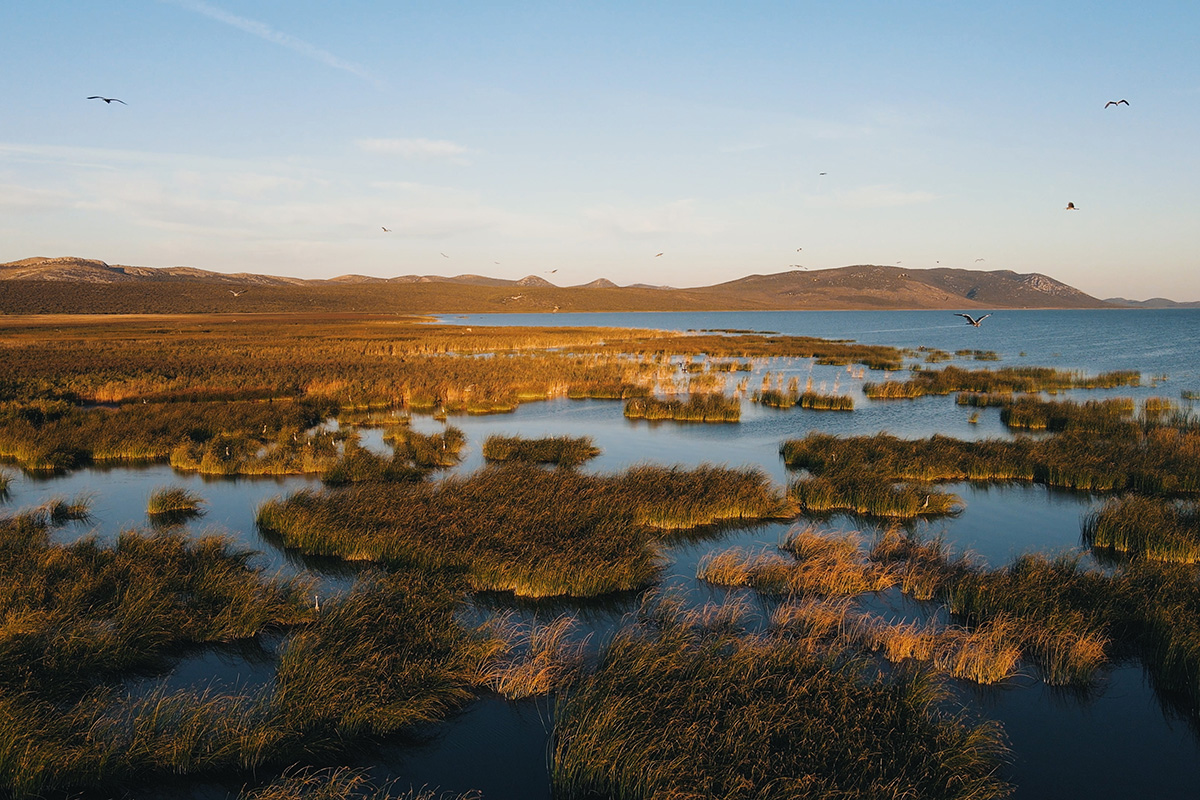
(978, 260)
(971, 320)
(237, 294)
(1116, 103)
(386, 230)
(798, 249)
(1070, 207)
(656, 255)
(822, 173)
(108, 99)
(551, 271)
(445, 256)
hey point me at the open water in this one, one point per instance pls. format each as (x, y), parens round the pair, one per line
(1120, 740)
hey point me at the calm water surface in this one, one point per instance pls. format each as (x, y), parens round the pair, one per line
(1116, 742)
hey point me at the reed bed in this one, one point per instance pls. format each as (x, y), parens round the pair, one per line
(1160, 460)
(83, 613)
(1111, 416)
(820, 565)
(386, 657)
(1146, 527)
(952, 379)
(522, 529)
(763, 718)
(360, 465)
(428, 451)
(564, 451)
(871, 496)
(808, 399)
(697, 408)
(58, 435)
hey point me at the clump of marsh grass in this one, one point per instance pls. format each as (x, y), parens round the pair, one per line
(339, 783)
(952, 379)
(745, 725)
(60, 510)
(173, 500)
(5, 483)
(518, 528)
(869, 496)
(537, 659)
(1138, 526)
(427, 451)
(565, 451)
(697, 408)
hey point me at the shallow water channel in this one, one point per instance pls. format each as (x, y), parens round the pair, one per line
(1120, 740)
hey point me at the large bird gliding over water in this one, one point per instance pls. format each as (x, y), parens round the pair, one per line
(971, 320)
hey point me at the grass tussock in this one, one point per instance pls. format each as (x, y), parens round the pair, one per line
(697, 408)
(518, 528)
(537, 659)
(174, 500)
(760, 717)
(819, 565)
(564, 451)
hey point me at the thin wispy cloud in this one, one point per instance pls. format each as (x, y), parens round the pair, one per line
(416, 148)
(266, 32)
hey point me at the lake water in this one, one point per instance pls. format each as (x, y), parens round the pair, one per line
(1115, 742)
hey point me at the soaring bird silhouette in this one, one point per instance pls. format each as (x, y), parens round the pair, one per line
(386, 230)
(1116, 103)
(108, 99)
(656, 255)
(237, 294)
(445, 256)
(1070, 207)
(551, 271)
(971, 320)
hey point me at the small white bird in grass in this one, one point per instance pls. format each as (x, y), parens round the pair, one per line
(317, 603)
(971, 320)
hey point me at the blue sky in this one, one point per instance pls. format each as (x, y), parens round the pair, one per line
(281, 136)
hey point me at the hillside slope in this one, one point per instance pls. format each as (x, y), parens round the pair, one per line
(79, 285)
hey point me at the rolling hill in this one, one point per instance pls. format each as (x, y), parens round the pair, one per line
(80, 285)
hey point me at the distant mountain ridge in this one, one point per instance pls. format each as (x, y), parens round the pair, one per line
(1153, 302)
(44, 285)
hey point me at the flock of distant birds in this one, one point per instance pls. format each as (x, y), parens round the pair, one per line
(970, 320)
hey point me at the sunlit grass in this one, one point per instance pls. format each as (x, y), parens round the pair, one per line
(760, 717)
